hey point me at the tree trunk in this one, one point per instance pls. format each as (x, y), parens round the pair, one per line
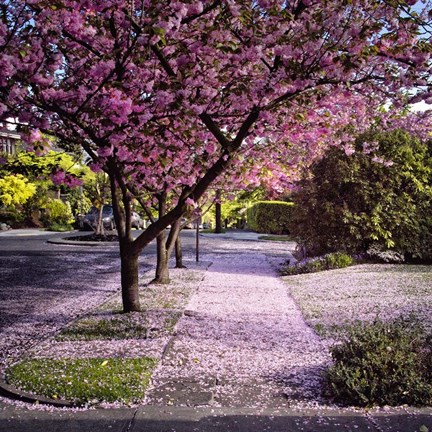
(128, 253)
(129, 282)
(100, 229)
(179, 253)
(162, 270)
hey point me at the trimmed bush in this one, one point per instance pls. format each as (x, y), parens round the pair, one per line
(270, 217)
(382, 364)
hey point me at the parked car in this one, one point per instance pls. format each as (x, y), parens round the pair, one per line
(186, 223)
(91, 218)
(137, 221)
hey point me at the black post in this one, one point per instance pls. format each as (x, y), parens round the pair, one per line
(197, 240)
(218, 208)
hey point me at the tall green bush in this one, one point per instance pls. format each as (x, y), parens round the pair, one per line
(380, 196)
(270, 217)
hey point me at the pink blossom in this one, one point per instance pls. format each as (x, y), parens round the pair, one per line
(62, 178)
(58, 177)
(349, 150)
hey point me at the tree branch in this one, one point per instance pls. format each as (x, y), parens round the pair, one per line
(215, 130)
(206, 10)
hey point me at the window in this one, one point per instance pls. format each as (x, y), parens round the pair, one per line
(7, 145)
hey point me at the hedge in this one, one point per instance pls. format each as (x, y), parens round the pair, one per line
(270, 217)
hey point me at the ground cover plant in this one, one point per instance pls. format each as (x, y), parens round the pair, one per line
(382, 363)
(329, 261)
(59, 227)
(84, 381)
(275, 238)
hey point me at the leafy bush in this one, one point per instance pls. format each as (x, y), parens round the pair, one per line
(15, 190)
(270, 217)
(311, 265)
(11, 217)
(388, 256)
(380, 195)
(382, 364)
(58, 212)
(338, 260)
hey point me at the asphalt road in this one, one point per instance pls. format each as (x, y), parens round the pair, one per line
(33, 241)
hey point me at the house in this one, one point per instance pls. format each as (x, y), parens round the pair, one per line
(10, 140)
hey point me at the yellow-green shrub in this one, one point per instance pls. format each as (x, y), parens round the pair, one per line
(58, 212)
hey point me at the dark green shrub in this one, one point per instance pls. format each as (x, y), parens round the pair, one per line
(11, 217)
(312, 265)
(270, 217)
(382, 198)
(382, 364)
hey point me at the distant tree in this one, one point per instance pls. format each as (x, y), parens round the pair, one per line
(45, 175)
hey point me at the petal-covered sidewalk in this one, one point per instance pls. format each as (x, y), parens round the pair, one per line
(241, 342)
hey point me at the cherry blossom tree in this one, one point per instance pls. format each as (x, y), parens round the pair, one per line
(168, 96)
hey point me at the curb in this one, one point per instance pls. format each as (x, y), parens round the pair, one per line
(12, 392)
(65, 241)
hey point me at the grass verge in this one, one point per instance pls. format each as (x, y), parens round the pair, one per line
(105, 329)
(84, 381)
